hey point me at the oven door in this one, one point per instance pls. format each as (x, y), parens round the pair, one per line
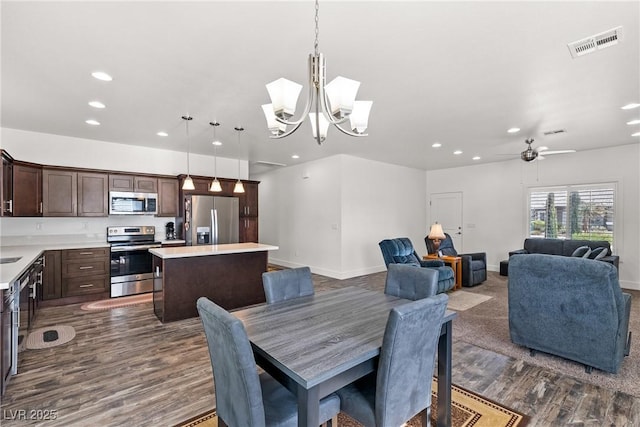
(131, 270)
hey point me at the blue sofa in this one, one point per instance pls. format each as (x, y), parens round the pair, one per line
(401, 251)
(564, 247)
(569, 307)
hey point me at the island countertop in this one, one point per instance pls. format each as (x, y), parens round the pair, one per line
(206, 250)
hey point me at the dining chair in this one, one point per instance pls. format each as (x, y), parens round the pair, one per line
(408, 282)
(401, 386)
(282, 285)
(244, 397)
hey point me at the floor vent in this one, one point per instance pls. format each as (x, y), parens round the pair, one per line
(596, 42)
(554, 132)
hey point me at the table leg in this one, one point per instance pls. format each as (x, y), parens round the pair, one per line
(444, 375)
(458, 274)
(308, 406)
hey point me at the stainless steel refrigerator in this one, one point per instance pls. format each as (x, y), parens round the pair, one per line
(211, 220)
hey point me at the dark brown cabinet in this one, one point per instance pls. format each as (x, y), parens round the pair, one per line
(59, 192)
(85, 271)
(135, 183)
(93, 192)
(27, 190)
(249, 230)
(52, 277)
(249, 200)
(6, 188)
(168, 194)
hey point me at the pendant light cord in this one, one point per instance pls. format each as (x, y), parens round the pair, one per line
(315, 45)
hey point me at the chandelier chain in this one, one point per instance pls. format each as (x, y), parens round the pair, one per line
(315, 45)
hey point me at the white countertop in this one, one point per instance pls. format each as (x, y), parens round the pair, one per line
(206, 250)
(29, 253)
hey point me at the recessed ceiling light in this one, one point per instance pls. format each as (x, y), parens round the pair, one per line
(634, 122)
(216, 143)
(476, 158)
(161, 133)
(295, 156)
(101, 75)
(513, 130)
(630, 106)
(97, 104)
(92, 122)
(457, 152)
(436, 145)
(635, 134)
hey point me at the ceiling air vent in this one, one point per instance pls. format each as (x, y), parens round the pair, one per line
(596, 42)
(265, 163)
(554, 132)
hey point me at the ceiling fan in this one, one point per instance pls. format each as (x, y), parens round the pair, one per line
(530, 154)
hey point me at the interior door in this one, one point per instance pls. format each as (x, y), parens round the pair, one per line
(446, 210)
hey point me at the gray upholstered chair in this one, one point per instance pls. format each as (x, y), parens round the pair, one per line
(401, 386)
(244, 398)
(474, 265)
(282, 285)
(401, 251)
(409, 282)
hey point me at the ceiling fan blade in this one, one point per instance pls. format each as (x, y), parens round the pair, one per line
(547, 153)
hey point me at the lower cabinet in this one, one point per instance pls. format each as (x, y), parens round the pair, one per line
(85, 271)
(52, 277)
(249, 230)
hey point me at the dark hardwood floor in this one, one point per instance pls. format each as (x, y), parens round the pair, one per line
(125, 368)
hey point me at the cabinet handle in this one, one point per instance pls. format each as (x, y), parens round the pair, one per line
(88, 285)
(86, 267)
(10, 208)
(41, 210)
(86, 253)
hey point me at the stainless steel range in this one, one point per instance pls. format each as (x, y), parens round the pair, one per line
(131, 262)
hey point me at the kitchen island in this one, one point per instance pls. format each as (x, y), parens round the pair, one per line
(229, 275)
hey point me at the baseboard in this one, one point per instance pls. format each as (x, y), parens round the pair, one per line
(627, 284)
(340, 275)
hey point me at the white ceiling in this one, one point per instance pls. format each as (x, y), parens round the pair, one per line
(458, 73)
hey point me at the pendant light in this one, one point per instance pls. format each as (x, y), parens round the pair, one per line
(215, 184)
(239, 188)
(188, 182)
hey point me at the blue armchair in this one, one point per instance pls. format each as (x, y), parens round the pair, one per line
(474, 265)
(570, 307)
(401, 251)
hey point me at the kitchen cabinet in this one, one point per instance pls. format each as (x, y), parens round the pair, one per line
(6, 188)
(248, 230)
(249, 200)
(135, 183)
(27, 190)
(52, 276)
(168, 195)
(71, 193)
(85, 271)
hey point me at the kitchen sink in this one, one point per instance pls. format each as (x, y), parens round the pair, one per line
(10, 260)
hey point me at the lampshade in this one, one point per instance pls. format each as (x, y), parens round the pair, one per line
(359, 118)
(436, 232)
(188, 184)
(239, 188)
(284, 97)
(342, 94)
(324, 125)
(275, 127)
(215, 186)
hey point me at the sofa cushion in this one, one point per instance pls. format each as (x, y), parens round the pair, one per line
(544, 246)
(568, 246)
(599, 253)
(478, 265)
(582, 252)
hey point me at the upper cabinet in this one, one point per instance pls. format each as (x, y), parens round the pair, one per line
(70, 193)
(168, 193)
(6, 187)
(135, 183)
(249, 200)
(27, 190)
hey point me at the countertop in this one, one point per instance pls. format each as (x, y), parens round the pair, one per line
(29, 253)
(206, 250)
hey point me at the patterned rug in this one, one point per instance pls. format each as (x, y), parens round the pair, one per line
(467, 409)
(50, 336)
(108, 304)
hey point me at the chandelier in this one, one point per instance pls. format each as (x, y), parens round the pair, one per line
(332, 103)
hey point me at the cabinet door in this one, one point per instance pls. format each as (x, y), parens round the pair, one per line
(93, 191)
(52, 278)
(59, 192)
(145, 184)
(249, 230)
(27, 190)
(121, 182)
(168, 197)
(249, 200)
(6, 188)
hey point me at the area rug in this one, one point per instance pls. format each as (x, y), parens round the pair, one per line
(50, 336)
(108, 304)
(462, 300)
(467, 409)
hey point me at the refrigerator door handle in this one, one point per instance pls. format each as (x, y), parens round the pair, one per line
(214, 226)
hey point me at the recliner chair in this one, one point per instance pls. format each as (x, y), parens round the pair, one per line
(401, 251)
(474, 265)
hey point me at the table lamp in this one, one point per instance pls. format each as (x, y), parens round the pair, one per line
(436, 234)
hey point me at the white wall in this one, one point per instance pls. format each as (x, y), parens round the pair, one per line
(330, 214)
(494, 200)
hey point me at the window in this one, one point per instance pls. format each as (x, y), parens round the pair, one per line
(579, 212)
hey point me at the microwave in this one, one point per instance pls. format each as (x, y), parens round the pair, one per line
(126, 203)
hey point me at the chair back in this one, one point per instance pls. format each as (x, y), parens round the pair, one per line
(399, 251)
(286, 284)
(446, 246)
(235, 376)
(408, 282)
(407, 358)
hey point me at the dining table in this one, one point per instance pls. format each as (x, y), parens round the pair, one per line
(317, 344)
